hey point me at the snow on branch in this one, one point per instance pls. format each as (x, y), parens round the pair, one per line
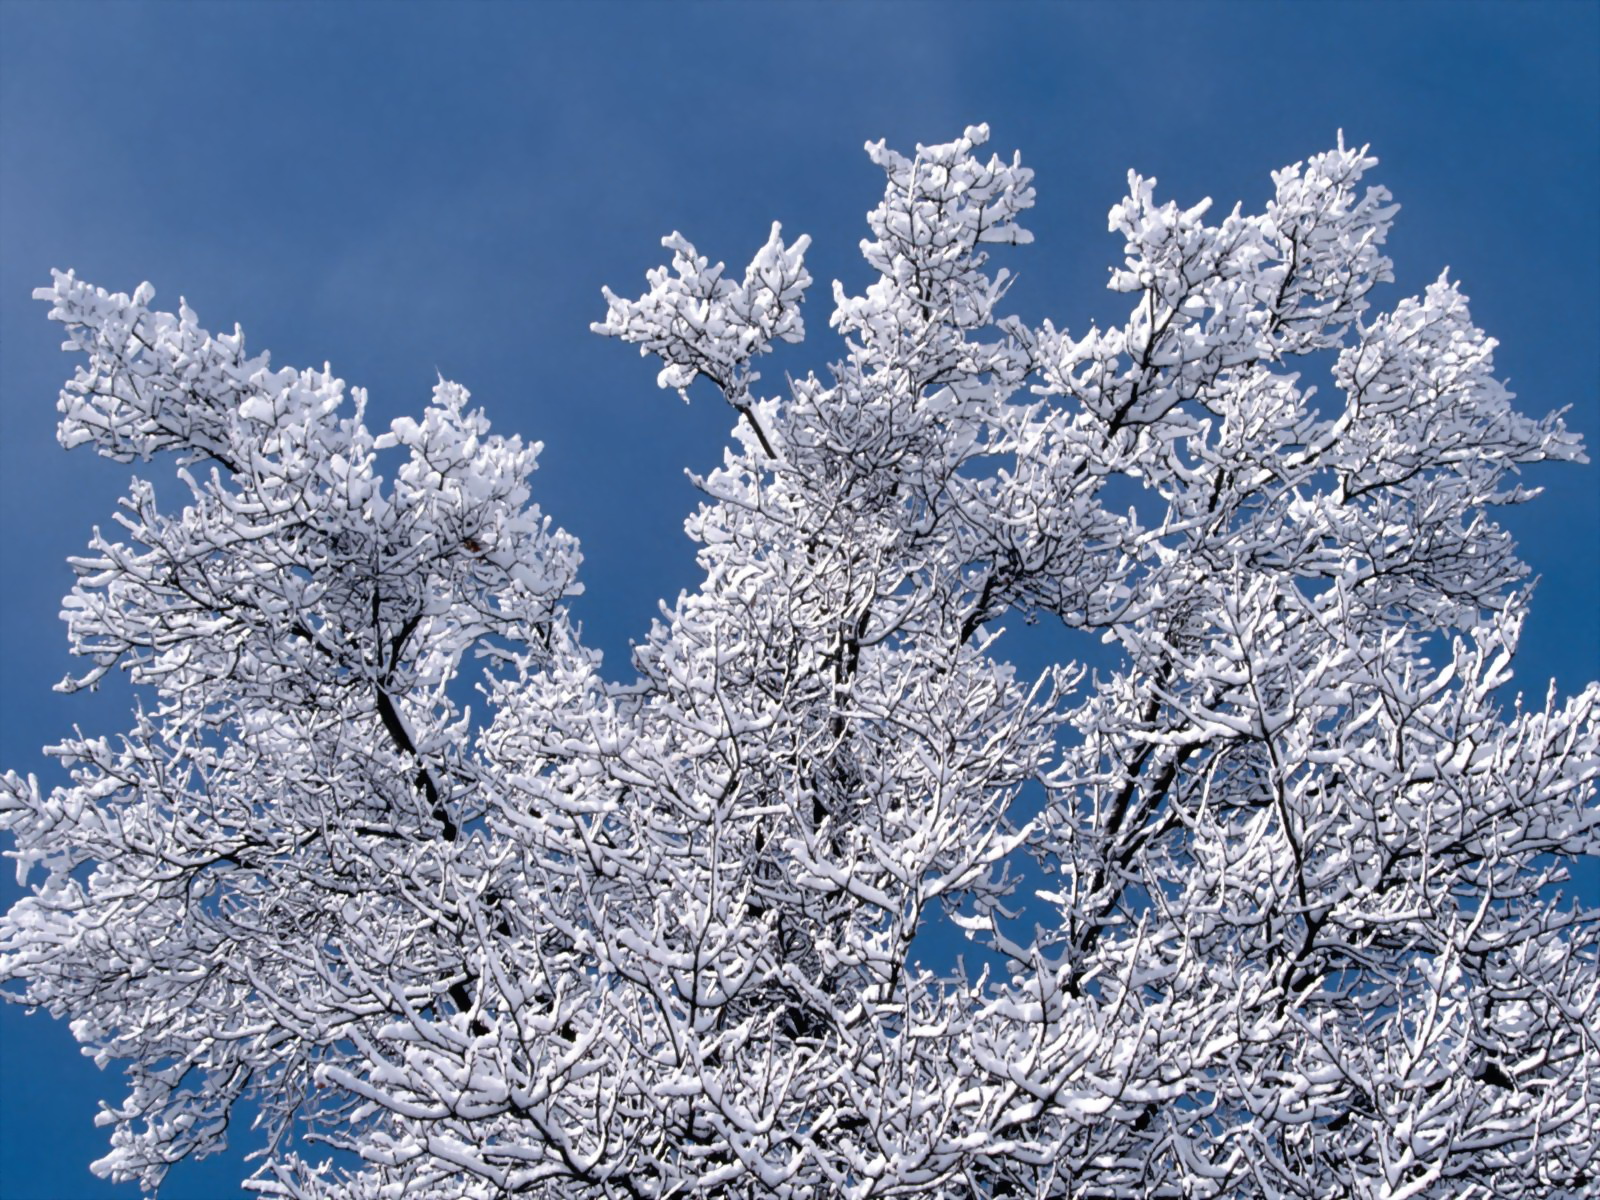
(1272, 909)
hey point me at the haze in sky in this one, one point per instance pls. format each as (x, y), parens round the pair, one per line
(410, 190)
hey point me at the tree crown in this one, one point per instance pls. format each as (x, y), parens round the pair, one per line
(1290, 867)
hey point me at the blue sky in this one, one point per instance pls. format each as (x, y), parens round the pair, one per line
(415, 188)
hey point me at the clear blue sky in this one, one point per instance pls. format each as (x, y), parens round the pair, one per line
(409, 188)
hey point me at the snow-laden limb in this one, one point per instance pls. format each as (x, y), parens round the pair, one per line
(700, 323)
(227, 884)
(1293, 924)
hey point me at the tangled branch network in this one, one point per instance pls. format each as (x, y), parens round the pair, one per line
(1289, 875)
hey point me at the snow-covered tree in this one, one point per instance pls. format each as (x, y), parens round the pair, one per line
(1273, 909)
